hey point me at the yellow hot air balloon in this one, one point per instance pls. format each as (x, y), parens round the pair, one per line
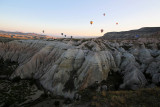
(91, 22)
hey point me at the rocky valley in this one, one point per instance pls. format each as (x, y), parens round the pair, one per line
(67, 67)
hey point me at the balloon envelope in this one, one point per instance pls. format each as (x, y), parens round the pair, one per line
(101, 30)
(91, 22)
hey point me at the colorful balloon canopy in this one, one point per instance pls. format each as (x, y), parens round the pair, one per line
(102, 30)
(91, 22)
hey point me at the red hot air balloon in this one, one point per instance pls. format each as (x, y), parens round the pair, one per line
(101, 30)
(116, 23)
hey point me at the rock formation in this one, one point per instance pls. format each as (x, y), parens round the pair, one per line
(67, 65)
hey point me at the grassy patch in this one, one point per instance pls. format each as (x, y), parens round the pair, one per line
(14, 93)
(138, 98)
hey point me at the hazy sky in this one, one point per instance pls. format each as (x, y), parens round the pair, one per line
(72, 17)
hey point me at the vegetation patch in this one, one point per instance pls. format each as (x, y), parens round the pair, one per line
(113, 81)
(113, 97)
(7, 67)
(15, 93)
(139, 98)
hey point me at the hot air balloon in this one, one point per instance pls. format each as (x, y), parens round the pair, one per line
(71, 37)
(64, 35)
(61, 33)
(101, 30)
(104, 14)
(43, 31)
(91, 22)
(116, 23)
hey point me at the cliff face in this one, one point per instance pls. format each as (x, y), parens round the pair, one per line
(64, 67)
(143, 32)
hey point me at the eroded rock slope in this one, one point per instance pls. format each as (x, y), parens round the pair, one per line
(65, 66)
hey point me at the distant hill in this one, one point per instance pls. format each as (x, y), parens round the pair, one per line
(20, 33)
(142, 32)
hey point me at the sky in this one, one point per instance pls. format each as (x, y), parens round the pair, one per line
(72, 17)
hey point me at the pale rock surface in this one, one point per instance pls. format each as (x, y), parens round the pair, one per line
(144, 55)
(133, 77)
(65, 66)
